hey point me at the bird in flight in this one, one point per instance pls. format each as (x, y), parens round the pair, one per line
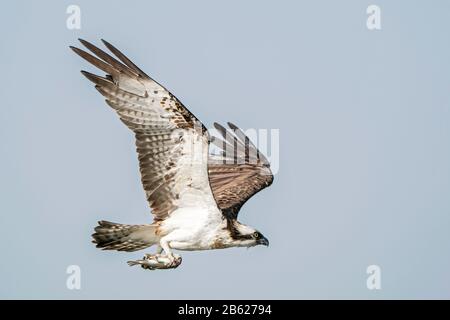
(194, 194)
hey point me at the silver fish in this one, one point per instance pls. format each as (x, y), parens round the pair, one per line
(156, 261)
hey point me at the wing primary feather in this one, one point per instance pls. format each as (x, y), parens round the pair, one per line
(242, 136)
(239, 133)
(96, 62)
(97, 79)
(124, 58)
(107, 58)
(226, 135)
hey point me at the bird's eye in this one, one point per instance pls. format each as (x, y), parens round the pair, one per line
(256, 235)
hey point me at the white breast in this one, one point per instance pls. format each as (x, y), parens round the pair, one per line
(192, 228)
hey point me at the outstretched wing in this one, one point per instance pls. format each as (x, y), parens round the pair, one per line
(172, 144)
(239, 172)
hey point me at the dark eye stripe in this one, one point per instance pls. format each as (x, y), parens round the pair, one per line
(244, 237)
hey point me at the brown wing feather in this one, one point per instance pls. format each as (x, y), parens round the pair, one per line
(163, 128)
(239, 173)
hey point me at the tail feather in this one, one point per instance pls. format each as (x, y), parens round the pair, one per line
(124, 237)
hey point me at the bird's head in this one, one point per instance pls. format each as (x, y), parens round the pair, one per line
(245, 236)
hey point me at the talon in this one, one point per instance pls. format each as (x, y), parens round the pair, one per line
(175, 262)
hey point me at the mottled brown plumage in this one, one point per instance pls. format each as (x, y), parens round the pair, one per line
(240, 172)
(154, 115)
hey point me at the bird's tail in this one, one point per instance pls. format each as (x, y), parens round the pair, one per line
(124, 237)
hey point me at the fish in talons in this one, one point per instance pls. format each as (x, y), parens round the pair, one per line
(157, 261)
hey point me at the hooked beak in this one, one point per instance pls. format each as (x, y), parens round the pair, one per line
(264, 242)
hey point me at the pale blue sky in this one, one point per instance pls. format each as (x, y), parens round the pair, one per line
(364, 139)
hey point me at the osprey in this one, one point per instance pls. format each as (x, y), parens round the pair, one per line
(194, 195)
